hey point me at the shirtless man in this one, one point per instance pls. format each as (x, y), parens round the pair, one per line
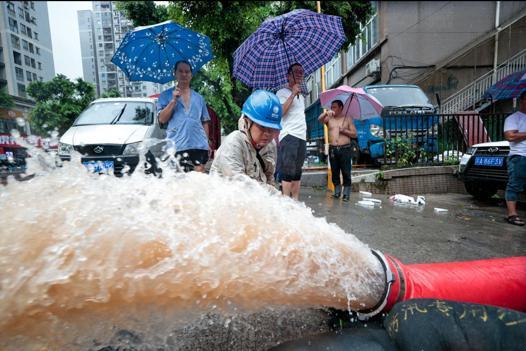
(341, 130)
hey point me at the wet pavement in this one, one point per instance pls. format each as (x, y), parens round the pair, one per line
(470, 230)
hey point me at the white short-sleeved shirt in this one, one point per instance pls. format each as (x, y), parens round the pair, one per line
(294, 122)
(516, 121)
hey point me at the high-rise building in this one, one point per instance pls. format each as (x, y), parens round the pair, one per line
(25, 49)
(101, 32)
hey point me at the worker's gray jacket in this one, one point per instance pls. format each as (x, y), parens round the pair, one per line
(236, 155)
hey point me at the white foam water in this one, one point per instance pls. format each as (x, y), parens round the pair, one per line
(81, 254)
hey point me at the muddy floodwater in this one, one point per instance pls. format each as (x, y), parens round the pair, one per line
(91, 260)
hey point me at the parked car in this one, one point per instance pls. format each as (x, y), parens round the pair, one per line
(108, 132)
(12, 155)
(406, 113)
(483, 169)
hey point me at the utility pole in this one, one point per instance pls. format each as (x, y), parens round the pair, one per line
(330, 185)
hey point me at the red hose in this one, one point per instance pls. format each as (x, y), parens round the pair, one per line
(499, 282)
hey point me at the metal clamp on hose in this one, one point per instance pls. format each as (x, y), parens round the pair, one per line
(389, 279)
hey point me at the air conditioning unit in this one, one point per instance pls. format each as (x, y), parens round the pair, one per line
(372, 66)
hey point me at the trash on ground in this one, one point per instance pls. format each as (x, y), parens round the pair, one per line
(365, 203)
(366, 194)
(376, 201)
(404, 199)
(441, 210)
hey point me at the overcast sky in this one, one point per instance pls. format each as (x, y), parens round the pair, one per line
(65, 36)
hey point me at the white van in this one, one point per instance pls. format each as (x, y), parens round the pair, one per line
(108, 132)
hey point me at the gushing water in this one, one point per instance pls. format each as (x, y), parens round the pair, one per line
(81, 254)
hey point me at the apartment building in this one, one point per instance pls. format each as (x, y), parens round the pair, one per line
(25, 49)
(101, 31)
(455, 49)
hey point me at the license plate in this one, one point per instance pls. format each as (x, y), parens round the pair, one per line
(99, 166)
(489, 161)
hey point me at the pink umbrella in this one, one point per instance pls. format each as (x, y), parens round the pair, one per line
(356, 102)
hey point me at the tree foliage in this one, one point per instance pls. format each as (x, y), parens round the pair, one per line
(228, 24)
(58, 102)
(6, 101)
(112, 93)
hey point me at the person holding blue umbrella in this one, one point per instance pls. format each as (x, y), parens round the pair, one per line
(158, 53)
(188, 121)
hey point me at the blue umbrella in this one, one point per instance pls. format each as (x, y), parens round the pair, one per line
(509, 87)
(301, 36)
(150, 53)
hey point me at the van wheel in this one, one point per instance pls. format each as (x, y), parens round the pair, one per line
(480, 191)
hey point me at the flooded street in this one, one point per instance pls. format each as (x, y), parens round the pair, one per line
(470, 229)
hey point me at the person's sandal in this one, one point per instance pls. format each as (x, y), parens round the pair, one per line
(516, 220)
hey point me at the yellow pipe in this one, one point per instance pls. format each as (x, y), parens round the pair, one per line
(330, 185)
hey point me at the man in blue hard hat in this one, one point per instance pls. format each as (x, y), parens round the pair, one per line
(251, 150)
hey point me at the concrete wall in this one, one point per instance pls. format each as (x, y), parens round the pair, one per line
(429, 33)
(409, 181)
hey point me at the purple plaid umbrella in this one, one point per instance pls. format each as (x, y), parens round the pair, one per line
(508, 87)
(300, 36)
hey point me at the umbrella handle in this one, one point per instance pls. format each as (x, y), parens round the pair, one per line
(282, 37)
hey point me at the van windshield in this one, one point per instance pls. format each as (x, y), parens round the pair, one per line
(116, 112)
(400, 96)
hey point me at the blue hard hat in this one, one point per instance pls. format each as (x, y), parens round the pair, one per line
(263, 108)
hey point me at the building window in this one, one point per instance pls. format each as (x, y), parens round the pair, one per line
(25, 45)
(33, 63)
(17, 58)
(19, 74)
(37, 49)
(333, 70)
(27, 60)
(20, 12)
(32, 5)
(29, 34)
(23, 29)
(11, 9)
(15, 41)
(31, 48)
(13, 25)
(35, 34)
(28, 76)
(34, 77)
(21, 90)
(40, 65)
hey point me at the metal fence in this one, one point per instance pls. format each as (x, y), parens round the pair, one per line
(414, 139)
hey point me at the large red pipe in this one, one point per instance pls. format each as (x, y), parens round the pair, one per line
(499, 282)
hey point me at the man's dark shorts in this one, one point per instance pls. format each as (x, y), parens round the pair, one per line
(291, 155)
(188, 159)
(516, 177)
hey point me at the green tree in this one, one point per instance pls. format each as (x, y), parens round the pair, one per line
(6, 101)
(228, 24)
(58, 102)
(112, 93)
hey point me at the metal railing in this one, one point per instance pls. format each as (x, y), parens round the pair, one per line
(436, 139)
(415, 140)
(473, 92)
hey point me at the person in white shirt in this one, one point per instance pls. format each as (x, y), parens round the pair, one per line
(515, 133)
(292, 138)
